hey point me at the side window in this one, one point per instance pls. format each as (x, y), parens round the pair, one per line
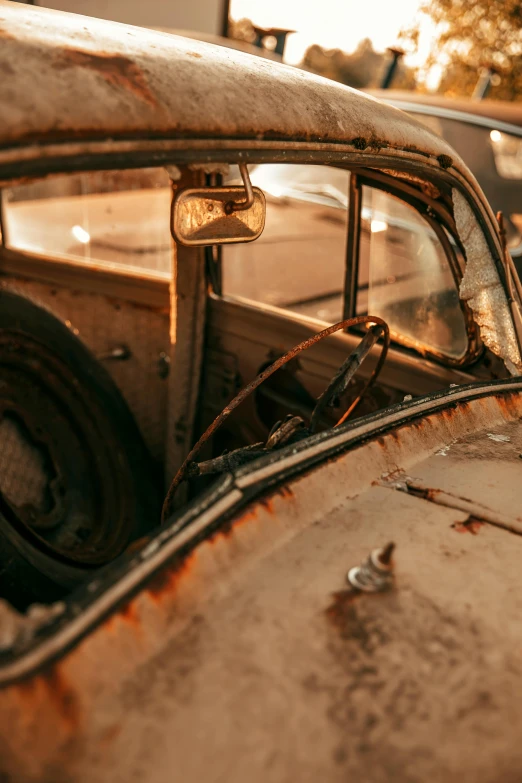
(405, 277)
(112, 218)
(298, 263)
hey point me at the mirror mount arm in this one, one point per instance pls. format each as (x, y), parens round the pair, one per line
(239, 206)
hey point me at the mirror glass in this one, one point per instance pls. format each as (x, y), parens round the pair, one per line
(205, 216)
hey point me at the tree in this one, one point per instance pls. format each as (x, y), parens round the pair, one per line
(362, 68)
(476, 34)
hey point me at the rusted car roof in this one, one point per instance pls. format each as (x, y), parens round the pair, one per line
(72, 77)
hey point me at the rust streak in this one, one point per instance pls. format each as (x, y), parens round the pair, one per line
(165, 582)
(471, 525)
(117, 70)
(51, 687)
(510, 404)
(129, 613)
(341, 607)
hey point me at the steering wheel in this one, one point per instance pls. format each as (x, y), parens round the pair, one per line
(338, 384)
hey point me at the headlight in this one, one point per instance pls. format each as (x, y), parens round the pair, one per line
(507, 151)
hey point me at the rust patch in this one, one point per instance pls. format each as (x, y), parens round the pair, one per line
(420, 492)
(471, 525)
(6, 34)
(511, 404)
(285, 492)
(116, 70)
(166, 580)
(130, 615)
(267, 504)
(445, 162)
(344, 613)
(227, 527)
(341, 608)
(194, 54)
(360, 143)
(63, 696)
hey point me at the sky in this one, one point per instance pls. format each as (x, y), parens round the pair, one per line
(340, 24)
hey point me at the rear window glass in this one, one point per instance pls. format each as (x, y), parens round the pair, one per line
(112, 218)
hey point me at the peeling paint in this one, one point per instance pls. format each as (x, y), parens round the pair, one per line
(115, 69)
(482, 290)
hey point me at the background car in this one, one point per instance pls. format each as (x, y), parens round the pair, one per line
(487, 135)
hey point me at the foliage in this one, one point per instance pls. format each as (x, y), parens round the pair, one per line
(472, 35)
(241, 30)
(362, 68)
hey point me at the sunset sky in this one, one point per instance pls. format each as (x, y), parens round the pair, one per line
(339, 24)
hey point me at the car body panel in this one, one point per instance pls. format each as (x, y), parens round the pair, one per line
(244, 650)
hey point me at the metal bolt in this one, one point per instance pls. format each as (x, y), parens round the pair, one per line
(375, 575)
(119, 352)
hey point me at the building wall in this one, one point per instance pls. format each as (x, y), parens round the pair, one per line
(202, 15)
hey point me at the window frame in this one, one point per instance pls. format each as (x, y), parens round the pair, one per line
(152, 288)
(143, 286)
(438, 218)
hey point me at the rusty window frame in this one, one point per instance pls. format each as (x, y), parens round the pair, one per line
(2, 222)
(429, 209)
(352, 246)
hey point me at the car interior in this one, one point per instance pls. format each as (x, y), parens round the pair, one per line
(122, 347)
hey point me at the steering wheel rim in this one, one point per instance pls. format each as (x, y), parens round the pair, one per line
(247, 390)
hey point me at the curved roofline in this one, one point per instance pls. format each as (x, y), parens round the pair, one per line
(73, 77)
(79, 81)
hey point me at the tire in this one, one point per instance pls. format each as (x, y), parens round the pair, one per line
(65, 408)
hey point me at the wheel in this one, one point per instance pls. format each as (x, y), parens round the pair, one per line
(76, 481)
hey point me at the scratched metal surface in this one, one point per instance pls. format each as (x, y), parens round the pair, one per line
(248, 659)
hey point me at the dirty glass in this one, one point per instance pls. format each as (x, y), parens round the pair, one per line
(108, 218)
(298, 262)
(405, 277)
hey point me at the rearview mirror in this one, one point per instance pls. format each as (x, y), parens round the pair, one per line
(217, 216)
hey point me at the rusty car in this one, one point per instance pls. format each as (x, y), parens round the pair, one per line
(260, 437)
